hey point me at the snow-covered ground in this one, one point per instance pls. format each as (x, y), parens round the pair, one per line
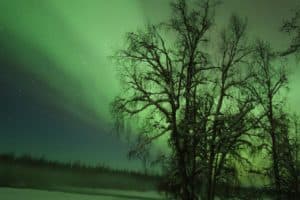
(31, 194)
(87, 194)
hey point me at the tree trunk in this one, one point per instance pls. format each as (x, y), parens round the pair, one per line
(276, 167)
(274, 149)
(210, 186)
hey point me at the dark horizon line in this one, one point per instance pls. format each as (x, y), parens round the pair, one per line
(26, 158)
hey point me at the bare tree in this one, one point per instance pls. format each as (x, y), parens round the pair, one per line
(288, 145)
(270, 79)
(159, 81)
(200, 105)
(200, 95)
(231, 112)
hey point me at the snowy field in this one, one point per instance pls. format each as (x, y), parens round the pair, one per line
(89, 194)
(31, 194)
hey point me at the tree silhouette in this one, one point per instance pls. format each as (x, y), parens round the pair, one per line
(203, 94)
(160, 80)
(270, 81)
(287, 143)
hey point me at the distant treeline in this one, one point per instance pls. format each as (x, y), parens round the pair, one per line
(75, 165)
(27, 171)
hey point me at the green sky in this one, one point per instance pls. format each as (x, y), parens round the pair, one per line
(78, 36)
(65, 45)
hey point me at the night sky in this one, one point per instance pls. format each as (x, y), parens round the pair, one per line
(57, 78)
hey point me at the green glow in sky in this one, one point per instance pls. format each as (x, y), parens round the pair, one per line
(66, 44)
(76, 38)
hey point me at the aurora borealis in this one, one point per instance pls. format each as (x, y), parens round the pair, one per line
(57, 79)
